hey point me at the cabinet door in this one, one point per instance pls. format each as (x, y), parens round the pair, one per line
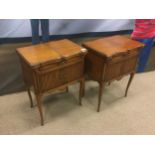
(72, 69)
(65, 72)
(131, 62)
(121, 65)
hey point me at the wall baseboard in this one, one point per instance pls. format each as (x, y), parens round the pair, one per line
(69, 36)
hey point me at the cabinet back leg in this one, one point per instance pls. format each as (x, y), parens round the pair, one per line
(30, 97)
(129, 83)
(100, 95)
(81, 91)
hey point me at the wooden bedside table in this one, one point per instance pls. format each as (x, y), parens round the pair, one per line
(110, 58)
(50, 66)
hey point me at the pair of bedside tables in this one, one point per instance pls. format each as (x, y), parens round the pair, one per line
(58, 64)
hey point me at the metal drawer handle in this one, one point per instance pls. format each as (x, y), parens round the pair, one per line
(63, 62)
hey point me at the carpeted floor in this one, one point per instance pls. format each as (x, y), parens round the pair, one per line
(132, 115)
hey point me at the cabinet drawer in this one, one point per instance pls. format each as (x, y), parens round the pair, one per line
(61, 75)
(123, 57)
(50, 67)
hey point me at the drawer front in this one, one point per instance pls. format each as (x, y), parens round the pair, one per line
(63, 74)
(47, 67)
(121, 65)
(124, 57)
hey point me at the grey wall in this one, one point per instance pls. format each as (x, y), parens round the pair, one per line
(21, 27)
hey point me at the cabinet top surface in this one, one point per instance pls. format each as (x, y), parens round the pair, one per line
(53, 51)
(114, 45)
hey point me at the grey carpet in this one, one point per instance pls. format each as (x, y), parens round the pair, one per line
(132, 115)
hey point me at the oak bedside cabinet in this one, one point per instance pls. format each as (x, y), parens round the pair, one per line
(110, 58)
(51, 66)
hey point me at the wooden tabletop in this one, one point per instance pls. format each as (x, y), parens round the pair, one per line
(65, 48)
(53, 51)
(114, 45)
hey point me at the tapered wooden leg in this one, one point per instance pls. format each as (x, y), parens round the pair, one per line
(81, 91)
(101, 84)
(67, 89)
(83, 88)
(129, 82)
(30, 97)
(39, 103)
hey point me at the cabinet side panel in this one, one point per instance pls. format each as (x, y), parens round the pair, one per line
(94, 65)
